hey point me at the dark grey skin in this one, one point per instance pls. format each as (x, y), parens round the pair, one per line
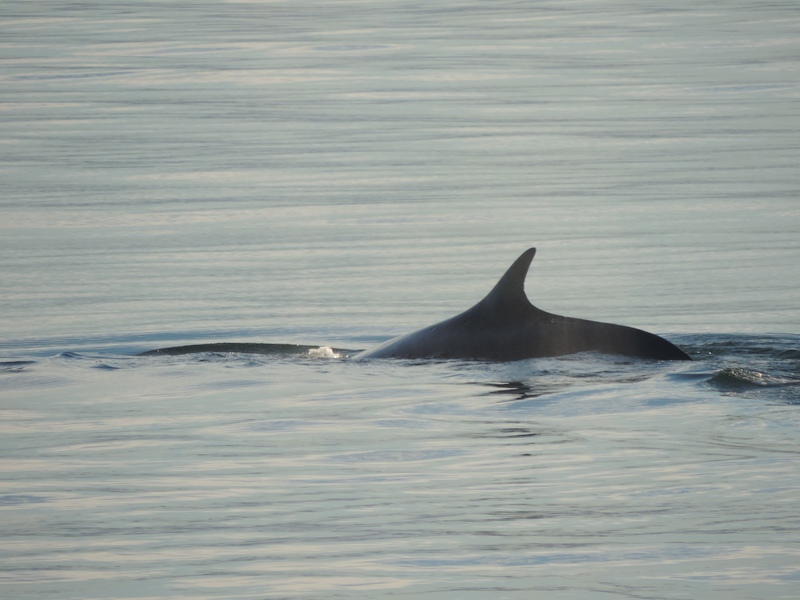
(505, 326)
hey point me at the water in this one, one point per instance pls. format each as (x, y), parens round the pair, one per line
(336, 173)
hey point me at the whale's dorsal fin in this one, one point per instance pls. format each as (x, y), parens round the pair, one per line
(505, 326)
(508, 294)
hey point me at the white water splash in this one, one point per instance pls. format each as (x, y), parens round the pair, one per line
(323, 352)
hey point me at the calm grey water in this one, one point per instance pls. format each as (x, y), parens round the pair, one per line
(336, 173)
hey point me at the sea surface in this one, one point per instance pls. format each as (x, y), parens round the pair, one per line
(332, 174)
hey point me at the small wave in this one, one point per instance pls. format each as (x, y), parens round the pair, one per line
(397, 456)
(352, 47)
(736, 379)
(105, 367)
(15, 366)
(18, 499)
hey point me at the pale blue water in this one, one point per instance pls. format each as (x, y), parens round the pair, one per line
(336, 173)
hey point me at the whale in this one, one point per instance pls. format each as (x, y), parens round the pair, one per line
(505, 326)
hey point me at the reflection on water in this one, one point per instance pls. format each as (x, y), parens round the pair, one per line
(518, 390)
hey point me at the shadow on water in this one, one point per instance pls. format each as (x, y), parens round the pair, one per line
(539, 379)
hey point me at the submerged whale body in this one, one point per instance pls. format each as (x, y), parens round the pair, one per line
(505, 326)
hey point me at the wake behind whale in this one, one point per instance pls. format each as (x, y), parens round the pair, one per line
(504, 326)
